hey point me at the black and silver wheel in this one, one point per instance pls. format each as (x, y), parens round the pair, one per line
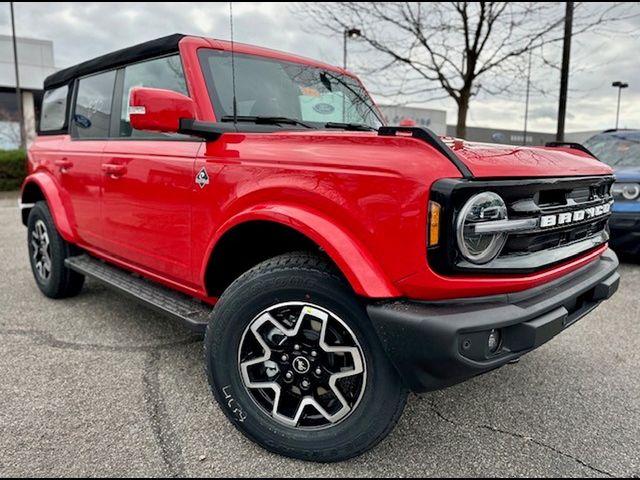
(41, 251)
(47, 253)
(296, 365)
(302, 365)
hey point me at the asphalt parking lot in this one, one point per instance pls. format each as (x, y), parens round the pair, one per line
(98, 385)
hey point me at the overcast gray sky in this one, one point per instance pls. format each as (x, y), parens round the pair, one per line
(84, 30)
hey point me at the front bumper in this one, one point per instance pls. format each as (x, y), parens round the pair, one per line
(625, 232)
(439, 344)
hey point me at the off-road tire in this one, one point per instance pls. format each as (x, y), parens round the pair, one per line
(300, 277)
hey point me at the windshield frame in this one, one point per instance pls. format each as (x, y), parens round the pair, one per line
(349, 82)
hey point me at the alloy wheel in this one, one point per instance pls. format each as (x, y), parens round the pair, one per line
(41, 250)
(302, 365)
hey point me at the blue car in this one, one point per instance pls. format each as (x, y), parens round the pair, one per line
(621, 150)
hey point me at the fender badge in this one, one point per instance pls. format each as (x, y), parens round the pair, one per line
(202, 178)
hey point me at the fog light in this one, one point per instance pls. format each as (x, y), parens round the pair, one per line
(494, 341)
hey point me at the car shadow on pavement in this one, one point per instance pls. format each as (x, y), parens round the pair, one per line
(547, 415)
(513, 409)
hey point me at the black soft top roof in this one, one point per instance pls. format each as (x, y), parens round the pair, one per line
(153, 48)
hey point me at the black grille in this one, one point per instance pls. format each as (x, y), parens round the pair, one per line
(530, 198)
(519, 244)
(580, 195)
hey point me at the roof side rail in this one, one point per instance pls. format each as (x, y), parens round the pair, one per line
(428, 136)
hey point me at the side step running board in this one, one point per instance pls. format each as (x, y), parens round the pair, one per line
(191, 312)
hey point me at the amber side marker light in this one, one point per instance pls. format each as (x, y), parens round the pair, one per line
(434, 223)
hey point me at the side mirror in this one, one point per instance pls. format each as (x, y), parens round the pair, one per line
(158, 110)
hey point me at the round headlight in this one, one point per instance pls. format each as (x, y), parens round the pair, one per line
(481, 248)
(628, 191)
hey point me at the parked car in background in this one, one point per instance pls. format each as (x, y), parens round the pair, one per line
(620, 149)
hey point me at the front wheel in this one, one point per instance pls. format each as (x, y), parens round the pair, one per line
(296, 365)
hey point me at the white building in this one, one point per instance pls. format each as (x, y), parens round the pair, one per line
(435, 120)
(35, 59)
(580, 137)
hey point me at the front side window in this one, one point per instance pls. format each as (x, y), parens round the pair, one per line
(54, 109)
(616, 150)
(92, 114)
(273, 88)
(165, 73)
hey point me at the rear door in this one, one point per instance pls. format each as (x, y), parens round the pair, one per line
(149, 180)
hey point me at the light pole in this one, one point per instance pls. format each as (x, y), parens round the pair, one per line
(619, 85)
(18, 95)
(526, 104)
(349, 33)
(564, 73)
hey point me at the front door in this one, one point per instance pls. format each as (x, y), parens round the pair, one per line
(149, 181)
(146, 205)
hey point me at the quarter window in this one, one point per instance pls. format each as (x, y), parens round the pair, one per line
(92, 113)
(165, 73)
(54, 109)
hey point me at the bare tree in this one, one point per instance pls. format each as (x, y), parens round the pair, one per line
(455, 49)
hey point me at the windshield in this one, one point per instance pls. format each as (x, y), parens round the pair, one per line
(274, 88)
(615, 150)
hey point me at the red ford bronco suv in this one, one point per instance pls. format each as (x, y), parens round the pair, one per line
(335, 263)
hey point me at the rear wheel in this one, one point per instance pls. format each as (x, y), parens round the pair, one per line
(296, 365)
(47, 253)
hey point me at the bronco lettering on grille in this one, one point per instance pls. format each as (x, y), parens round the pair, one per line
(575, 216)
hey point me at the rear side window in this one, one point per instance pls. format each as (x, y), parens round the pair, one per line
(92, 113)
(165, 73)
(54, 110)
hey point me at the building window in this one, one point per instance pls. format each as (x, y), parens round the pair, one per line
(520, 139)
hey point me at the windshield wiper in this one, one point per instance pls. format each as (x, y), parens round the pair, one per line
(357, 127)
(259, 120)
(360, 97)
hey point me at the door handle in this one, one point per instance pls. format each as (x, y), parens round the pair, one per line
(114, 170)
(64, 165)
